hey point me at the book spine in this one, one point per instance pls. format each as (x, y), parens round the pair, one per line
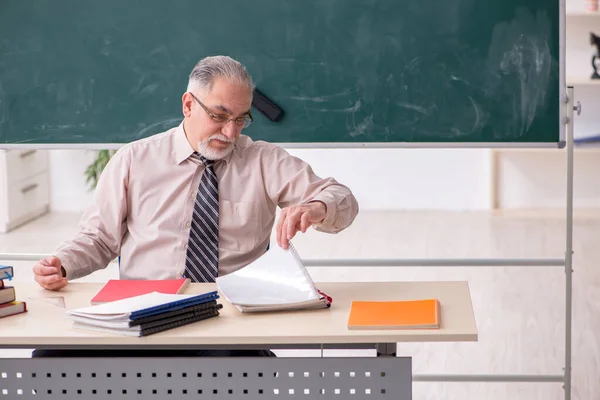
(176, 318)
(200, 307)
(146, 332)
(174, 305)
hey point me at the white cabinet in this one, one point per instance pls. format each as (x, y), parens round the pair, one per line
(24, 186)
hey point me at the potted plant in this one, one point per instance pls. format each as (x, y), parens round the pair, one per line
(93, 171)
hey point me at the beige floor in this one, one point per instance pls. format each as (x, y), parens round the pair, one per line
(519, 311)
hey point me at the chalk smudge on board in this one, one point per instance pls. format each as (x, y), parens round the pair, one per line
(519, 56)
(352, 109)
(322, 99)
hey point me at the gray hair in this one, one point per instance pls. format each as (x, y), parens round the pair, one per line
(204, 73)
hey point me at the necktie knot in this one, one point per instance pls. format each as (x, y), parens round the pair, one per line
(205, 161)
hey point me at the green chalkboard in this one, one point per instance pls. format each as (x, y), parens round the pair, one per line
(344, 71)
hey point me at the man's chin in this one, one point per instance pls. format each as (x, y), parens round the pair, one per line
(218, 145)
(214, 152)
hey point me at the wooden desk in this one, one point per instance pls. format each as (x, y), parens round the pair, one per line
(252, 378)
(47, 325)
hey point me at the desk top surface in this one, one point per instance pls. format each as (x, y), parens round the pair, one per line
(47, 324)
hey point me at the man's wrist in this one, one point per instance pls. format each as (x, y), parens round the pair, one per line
(324, 207)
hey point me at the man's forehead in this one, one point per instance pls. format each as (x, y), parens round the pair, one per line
(223, 108)
(230, 103)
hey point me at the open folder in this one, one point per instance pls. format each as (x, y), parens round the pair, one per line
(278, 280)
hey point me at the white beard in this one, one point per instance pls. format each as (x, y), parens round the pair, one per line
(214, 154)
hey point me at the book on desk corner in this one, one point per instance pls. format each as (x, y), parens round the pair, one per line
(118, 289)
(12, 308)
(405, 314)
(8, 295)
(276, 281)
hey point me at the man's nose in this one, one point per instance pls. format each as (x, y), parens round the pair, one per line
(230, 130)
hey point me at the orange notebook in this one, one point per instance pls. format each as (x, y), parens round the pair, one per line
(117, 289)
(409, 314)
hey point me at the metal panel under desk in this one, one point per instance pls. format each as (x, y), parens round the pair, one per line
(206, 377)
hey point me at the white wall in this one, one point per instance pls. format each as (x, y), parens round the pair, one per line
(68, 191)
(442, 179)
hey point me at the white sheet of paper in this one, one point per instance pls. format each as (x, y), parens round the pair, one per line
(123, 308)
(275, 278)
(125, 332)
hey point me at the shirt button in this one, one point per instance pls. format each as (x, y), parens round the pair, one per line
(188, 224)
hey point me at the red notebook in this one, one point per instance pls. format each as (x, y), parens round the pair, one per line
(117, 289)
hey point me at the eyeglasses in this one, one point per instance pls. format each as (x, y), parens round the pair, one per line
(244, 121)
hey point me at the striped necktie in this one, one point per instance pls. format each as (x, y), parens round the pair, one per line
(202, 257)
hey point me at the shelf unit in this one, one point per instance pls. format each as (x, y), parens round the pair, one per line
(583, 13)
(495, 175)
(582, 82)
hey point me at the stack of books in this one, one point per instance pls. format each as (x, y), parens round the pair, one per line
(8, 296)
(276, 281)
(146, 314)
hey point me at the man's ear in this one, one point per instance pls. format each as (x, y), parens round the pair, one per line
(186, 103)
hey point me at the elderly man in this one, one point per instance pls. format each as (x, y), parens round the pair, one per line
(198, 200)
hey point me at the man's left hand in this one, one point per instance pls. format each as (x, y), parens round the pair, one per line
(298, 218)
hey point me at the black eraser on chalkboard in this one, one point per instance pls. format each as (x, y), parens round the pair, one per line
(263, 104)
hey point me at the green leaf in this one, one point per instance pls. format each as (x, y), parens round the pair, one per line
(94, 170)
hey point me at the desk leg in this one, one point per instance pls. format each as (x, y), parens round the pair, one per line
(386, 349)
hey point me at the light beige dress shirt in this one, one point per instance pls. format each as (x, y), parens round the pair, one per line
(142, 206)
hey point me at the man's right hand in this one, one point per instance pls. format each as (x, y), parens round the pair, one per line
(48, 274)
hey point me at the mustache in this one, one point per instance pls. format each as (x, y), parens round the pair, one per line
(221, 137)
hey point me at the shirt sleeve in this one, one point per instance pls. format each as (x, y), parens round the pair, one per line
(291, 182)
(102, 224)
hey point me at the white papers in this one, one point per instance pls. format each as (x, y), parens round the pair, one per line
(276, 281)
(130, 331)
(111, 323)
(121, 310)
(146, 314)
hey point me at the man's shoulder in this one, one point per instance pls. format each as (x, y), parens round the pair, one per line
(259, 148)
(159, 141)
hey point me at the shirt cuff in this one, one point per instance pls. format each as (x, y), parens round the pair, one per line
(67, 265)
(329, 200)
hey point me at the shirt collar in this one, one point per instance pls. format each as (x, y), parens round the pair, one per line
(183, 148)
